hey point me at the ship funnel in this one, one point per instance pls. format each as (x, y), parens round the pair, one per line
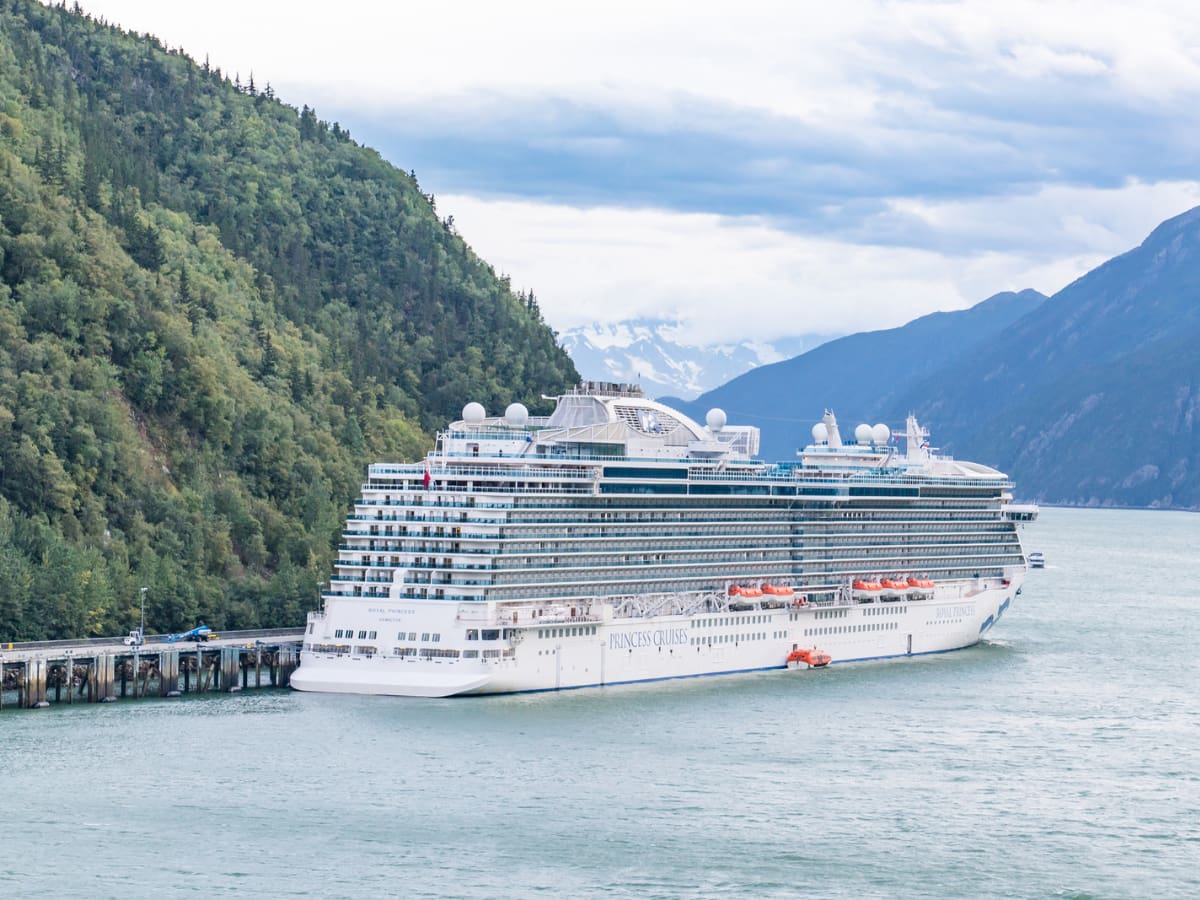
(918, 440)
(831, 429)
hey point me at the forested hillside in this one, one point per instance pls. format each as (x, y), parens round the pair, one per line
(215, 310)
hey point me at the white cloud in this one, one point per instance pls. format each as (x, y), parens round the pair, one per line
(772, 55)
(740, 279)
(1026, 113)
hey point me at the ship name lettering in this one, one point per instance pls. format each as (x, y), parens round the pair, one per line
(661, 637)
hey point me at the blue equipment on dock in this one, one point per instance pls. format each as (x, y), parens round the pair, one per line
(199, 633)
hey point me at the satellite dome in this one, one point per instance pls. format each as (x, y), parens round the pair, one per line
(820, 433)
(715, 419)
(881, 433)
(516, 415)
(863, 433)
(473, 413)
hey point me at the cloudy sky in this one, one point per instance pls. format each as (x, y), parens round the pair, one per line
(753, 169)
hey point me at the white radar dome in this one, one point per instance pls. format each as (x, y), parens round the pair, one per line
(820, 433)
(517, 415)
(862, 433)
(474, 414)
(881, 433)
(715, 419)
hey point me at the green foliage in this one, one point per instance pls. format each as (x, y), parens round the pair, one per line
(215, 310)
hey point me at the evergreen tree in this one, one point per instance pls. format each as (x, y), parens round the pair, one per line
(209, 303)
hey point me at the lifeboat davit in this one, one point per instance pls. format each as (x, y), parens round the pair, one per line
(860, 585)
(808, 659)
(780, 590)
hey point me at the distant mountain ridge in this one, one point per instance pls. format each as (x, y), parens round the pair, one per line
(651, 353)
(859, 375)
(1090, 397)
(1094, 397)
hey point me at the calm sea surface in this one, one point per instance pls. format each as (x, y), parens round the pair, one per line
(1059, 759)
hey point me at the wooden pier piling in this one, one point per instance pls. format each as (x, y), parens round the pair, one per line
(33, 684)
(168, 679)
(103, 677)
(230, 664)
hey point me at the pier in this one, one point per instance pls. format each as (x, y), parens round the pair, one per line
(103, 670)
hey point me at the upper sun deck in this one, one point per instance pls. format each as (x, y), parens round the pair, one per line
(606, 422)
(598, 420)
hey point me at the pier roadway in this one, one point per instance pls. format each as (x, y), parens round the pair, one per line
(101, 670)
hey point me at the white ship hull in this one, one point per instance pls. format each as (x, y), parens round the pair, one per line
(590, 652)
(618, 541)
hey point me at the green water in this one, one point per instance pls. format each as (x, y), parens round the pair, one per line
(1059, 759)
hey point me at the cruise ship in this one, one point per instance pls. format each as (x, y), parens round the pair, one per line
(618, 541)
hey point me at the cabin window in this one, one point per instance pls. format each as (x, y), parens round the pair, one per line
(362, 635)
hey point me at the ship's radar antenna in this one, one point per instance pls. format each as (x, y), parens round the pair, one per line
(474, 413)
(516, 415)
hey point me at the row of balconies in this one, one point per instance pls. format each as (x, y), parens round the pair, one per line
(723, 569)
(587, 556)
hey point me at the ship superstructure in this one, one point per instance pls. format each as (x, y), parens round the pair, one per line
(618, 540)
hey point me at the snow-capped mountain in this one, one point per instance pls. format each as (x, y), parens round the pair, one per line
(652, 354)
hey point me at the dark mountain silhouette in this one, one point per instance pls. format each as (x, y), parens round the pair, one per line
(858, 376)
(1094, 397)
(1091, 397)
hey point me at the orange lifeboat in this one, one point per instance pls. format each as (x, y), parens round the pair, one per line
(750, 592)
(812, 659)
(779, 590)
(894, 585)
(920, 583)
(734, 590)
(860, 585)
